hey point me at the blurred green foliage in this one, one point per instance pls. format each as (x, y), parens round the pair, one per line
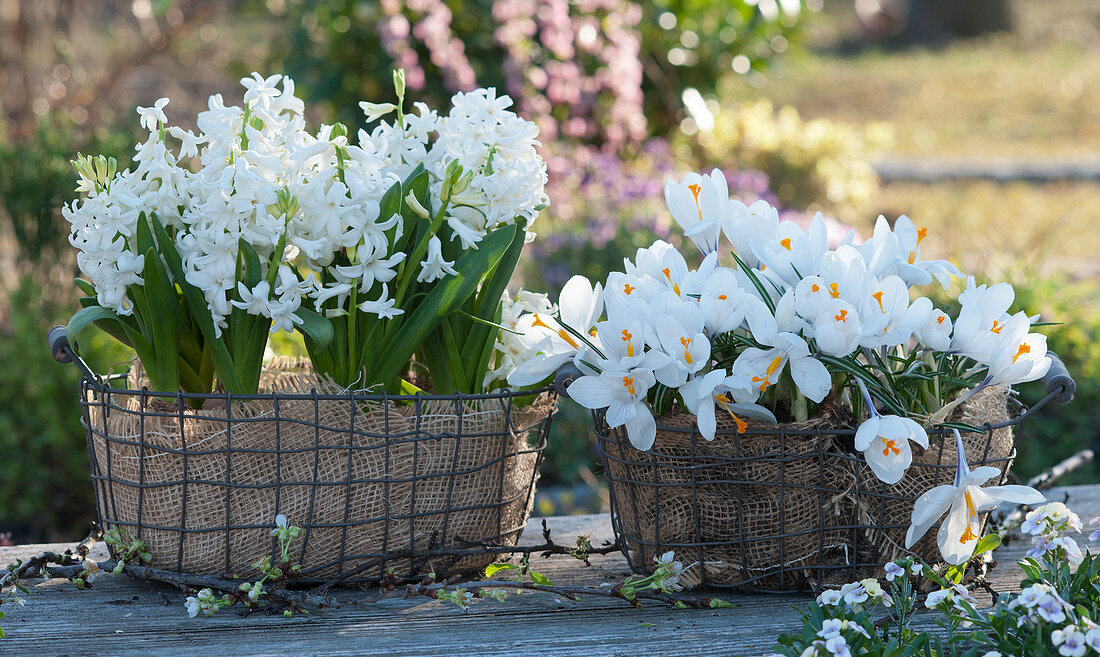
(1058, 431)
(45, 486)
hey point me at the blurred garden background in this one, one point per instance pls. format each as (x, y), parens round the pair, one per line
(979, 120)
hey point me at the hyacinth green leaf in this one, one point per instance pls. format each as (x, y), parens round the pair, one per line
(443, 299)
(161, 299)
(143, 235)
(316, 326)
(223, 362)
(85, 287)
(82, 318)
(475, 352)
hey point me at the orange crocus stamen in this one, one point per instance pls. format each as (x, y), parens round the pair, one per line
(815, 288)
(878, 297)
(833, 291)
(561, 332)
(786, 242)
(1024, 349)
(912, 257)
(921, 234)
(628, 288)
(629, 347)
(668, 274)
(939, 320)
(741, 424)
(997, 326)
(891, 446)
(722, 297)
(686, 342)
(695, 189)
(971, 517)
(629, 383)
(842, 317)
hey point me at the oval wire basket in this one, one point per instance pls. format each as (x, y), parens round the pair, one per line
(791, 507)
(378, 483)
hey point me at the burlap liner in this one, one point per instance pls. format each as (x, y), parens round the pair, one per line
(203, 492)
(777, 511)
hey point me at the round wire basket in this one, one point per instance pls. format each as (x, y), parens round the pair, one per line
(791, 507)
(378, 483)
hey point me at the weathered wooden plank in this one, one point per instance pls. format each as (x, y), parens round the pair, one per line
(125, 617)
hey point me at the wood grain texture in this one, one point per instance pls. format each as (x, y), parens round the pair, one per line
(121, 616)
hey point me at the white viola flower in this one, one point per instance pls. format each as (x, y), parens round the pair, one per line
(384, 306)
(830, 598)
(838, 646)
(1070, 641)
(838, 329)
(893, 570)
(688, 350)
(1044, 545)
(580, 305)
(153, 117)
(830, 627)
(1049, 518)
(698, 203)
(434, 266)
(623, 395)
(705, 395)
(1052, 608)
(1092, 638)
(936, 332)
(745, 226)
(963, 501)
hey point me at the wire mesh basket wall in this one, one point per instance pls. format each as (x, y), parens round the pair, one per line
(412, 484)
(791, 507)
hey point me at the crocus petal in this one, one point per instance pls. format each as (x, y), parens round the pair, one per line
(986, 499)
(927, 510)
(867, 433)
(592, 392)
(889, 467)
(811, 377)
(620, 412)
(953, 549)
(642, 430)
(537, 369)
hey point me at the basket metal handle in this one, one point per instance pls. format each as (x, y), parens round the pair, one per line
(1057, 382)
(57, 339)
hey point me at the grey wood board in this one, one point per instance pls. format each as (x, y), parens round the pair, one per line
(121, 616)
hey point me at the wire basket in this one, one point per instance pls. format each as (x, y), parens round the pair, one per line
(377, 483)
(791, 507)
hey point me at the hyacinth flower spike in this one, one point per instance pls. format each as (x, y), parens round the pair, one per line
(963, 501)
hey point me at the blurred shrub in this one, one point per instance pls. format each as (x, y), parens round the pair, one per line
(589, 70)
(45, 487)
(36, 179)
(1058, 431)
(813, 165)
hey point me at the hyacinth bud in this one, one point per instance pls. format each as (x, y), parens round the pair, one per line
(338, 130)
(399, 84)
(451, 180)
(415, 205)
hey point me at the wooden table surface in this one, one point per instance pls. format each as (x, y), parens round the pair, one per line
(121, 616)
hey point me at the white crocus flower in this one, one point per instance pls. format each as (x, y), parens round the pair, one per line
(1018, 356)
(746, 225)
(837, 329)
(963, 501)
(714, 391)
(687, 348)
(909, 264)
(888, 317)
(981, 318)
(623, 395)
(793, 253)
(434, 266)
(698, 203)
(762, 367)
(884, 441)
(580, 305)
(936, 332)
